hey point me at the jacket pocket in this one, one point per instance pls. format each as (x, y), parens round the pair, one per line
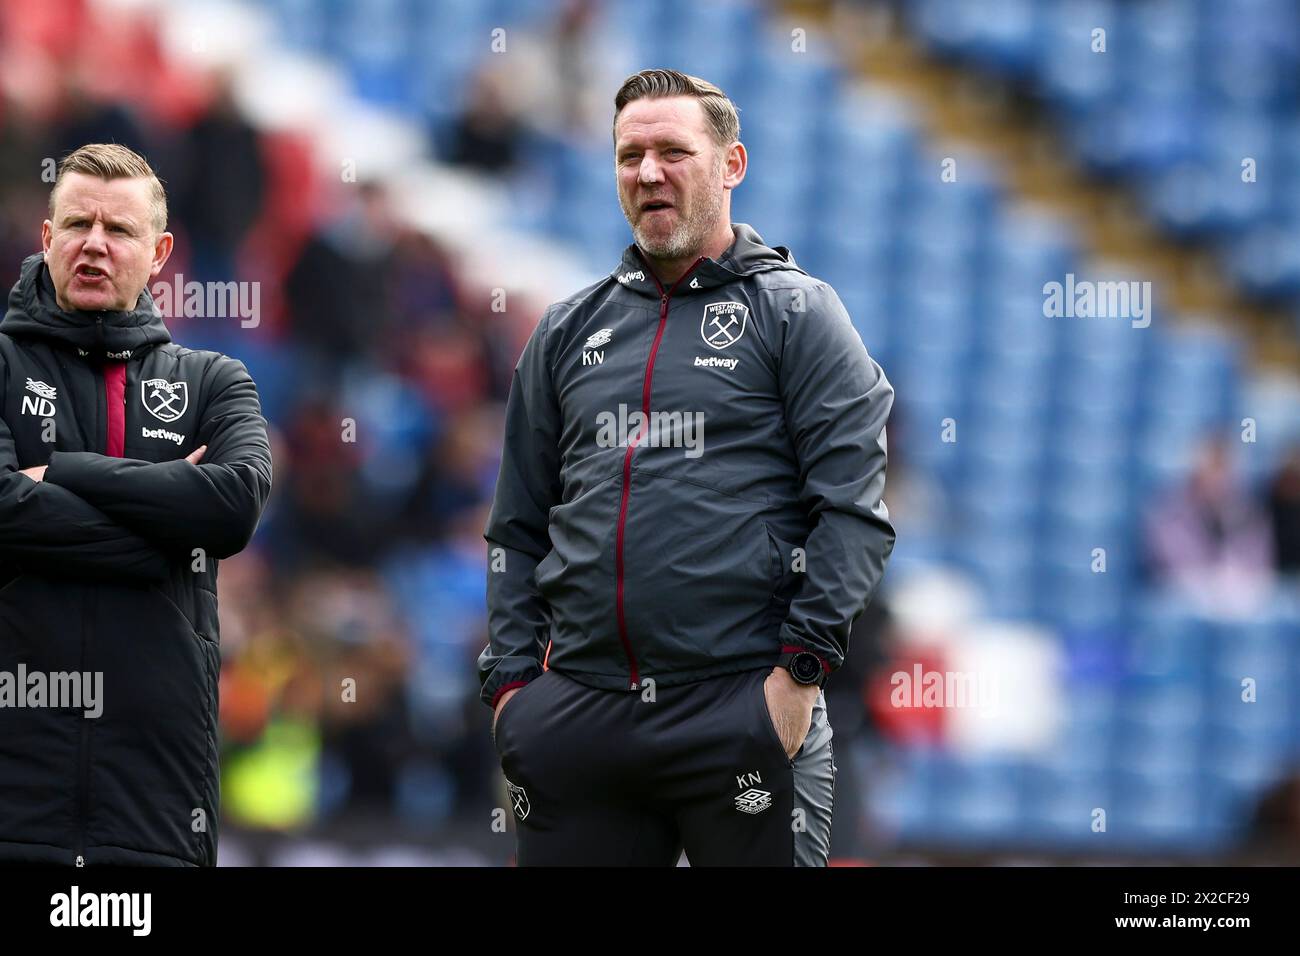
(509, 708)
(765, 717)
(789, 566)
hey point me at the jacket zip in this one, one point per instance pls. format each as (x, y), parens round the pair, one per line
(114, 428)
(83, 755)
(664, 299)
(83, 751)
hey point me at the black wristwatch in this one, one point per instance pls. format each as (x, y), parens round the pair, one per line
(804, 666)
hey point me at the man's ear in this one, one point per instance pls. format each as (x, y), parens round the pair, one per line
(47, 233)
(162, 251)
(735, 165)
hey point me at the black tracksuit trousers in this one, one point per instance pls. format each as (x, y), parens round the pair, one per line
(613, 778)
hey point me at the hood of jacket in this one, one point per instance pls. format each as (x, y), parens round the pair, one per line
(34, 312)
(747, 255)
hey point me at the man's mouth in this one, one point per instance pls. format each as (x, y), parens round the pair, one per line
(655, 205)
(91, 274)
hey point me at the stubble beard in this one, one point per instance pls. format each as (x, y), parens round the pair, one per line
(690, 233)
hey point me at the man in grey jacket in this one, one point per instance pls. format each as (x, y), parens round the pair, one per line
(687, 521)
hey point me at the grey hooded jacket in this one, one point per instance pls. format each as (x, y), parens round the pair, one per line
(691, 478)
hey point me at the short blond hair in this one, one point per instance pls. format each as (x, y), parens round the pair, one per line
(112, 161)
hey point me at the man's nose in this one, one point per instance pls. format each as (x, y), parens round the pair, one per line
(650, 173)
(97, 239)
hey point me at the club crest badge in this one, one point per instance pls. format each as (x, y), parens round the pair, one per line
(164, 400)
(723, 324)
(518, 800)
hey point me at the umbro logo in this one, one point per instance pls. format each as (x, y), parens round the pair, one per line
(589, 354)
(43, 390)
(753, 800)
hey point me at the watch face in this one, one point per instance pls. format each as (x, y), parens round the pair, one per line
(806, 668)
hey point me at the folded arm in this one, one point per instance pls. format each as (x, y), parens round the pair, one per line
(45, 529)
(214, 505)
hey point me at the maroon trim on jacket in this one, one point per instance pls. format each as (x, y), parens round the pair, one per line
(646, 385)
(115, 402)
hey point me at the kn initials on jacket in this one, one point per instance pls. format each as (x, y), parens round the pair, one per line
(109, 566)
(691, 478)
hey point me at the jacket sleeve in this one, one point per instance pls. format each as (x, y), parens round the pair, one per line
(837, 401)
(214, 505)
(517, 532)
(45, 529)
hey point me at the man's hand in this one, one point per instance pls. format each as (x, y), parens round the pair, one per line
(194, 456)
(501, 704)
(791, 705)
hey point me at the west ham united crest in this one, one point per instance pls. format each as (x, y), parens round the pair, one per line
(165, 400)
(723, 323)
(518, 800)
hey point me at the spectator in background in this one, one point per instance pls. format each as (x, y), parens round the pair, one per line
(25, 144)
(223, 184)
(423, 288)
(455, 474)
(83, 118)
(1210, 539)
(559, 74)
(348, 620)
(322, 519)
(486, 136)
(1284, 511)
(336, 292)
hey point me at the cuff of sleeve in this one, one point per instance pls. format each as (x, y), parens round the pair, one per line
(492, 690)
(56, 469)
(496, 698)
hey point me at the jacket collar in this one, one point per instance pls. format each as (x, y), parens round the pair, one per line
(34, 312)
(747, 255)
